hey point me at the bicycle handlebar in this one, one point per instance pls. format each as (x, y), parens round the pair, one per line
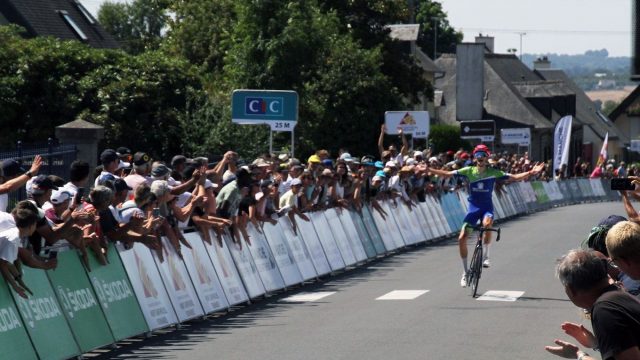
(484, 229)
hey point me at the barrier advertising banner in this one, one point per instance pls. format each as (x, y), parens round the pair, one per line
(147, 285)
(14, 340)
(284, 258)
(383, 228)
(395, 213)
(203, 275)
(352, 234)
(178, 283)
(264, 260)
(363, 235)
(246, 267)
(340, 236)
(297, 248)
(116, 297)
(426, 222)
(392, 226)
(226, 270)
(372, 230)
(44, 319)
(310, 238)
(79, 303)
(326, 239)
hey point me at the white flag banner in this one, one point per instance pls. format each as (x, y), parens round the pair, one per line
(561, 140)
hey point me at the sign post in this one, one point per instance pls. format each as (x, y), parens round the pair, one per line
(276, 108)
(485, 130)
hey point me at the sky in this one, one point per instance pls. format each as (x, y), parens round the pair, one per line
(548, 26)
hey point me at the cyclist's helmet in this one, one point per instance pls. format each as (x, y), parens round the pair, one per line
(482, 148)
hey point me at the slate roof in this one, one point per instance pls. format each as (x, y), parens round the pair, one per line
(45, 18)
(624, 105)
(586, 111)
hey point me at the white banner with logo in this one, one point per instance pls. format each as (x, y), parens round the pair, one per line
(203, 275)
(264, 260)
(297, 247)
(340, 236)
(394, 229)
(561, 141)
(352, 235)
(520, 136)
(415, 123)
(326, 239)
(246, 266)
(285, 260)
(226, 270)
(312, 241)
(147, 284)
(178, 283)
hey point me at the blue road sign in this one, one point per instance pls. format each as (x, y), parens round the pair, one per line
(276, 108)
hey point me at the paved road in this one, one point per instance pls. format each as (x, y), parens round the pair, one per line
(443, 323)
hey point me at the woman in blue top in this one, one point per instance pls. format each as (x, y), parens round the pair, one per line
(481, 179)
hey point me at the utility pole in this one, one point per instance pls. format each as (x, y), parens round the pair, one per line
(435, 37)
(521, 35)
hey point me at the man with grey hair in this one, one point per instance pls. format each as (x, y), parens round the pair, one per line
(615, 314)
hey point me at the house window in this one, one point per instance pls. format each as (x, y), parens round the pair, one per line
(85, 12)
(73, 25)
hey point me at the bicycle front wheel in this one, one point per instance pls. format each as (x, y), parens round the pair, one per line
(476, 270)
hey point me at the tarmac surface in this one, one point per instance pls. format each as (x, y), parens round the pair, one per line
(424, 313)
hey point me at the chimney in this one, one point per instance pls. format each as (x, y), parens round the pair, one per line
(469, 81)
(542, 63)
(488, 41)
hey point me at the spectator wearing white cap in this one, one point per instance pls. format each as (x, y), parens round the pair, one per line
(60, 212)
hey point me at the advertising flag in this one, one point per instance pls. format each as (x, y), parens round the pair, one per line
(561, 140)
(602, 158)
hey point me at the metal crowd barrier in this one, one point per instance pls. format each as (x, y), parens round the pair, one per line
(137, 294)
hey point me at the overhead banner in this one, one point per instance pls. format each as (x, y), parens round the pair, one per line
(276, 108)
(226, 270)
(561, 142)
(519, 136)
(79, 302)
(485, 130)
(116, 297)
(415, 123)
(203, 275)
(178, 283)
(44, 319)
(14, 340)
(148, 286)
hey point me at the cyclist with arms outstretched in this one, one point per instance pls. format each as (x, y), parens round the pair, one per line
(481, 180)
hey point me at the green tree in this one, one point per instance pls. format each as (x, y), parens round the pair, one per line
(431, 16)
(609, 106)
(137, 25)
(444, 137)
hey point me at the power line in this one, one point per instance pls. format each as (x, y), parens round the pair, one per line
(548, 31)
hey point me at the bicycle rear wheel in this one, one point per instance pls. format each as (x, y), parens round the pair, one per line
(476, 269)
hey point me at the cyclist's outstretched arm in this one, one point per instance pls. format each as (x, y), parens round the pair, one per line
(631, 211)
(523, 175)
(442, 173)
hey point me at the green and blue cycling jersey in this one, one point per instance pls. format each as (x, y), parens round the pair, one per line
(481, 185)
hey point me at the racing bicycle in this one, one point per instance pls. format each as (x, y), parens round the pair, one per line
(475, 270)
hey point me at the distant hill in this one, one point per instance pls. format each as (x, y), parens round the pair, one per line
(593, 70)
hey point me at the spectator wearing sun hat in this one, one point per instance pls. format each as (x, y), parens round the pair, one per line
(140, 174)
(60, 212)
(289, 203)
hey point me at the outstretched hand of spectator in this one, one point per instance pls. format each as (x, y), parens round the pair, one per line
(564, 349)
(537, 168)
(580, 333)
(35, 165)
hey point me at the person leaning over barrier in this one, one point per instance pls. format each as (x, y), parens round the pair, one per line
(615, 314)
(21, 223)
(289, 203)
(481, 184)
